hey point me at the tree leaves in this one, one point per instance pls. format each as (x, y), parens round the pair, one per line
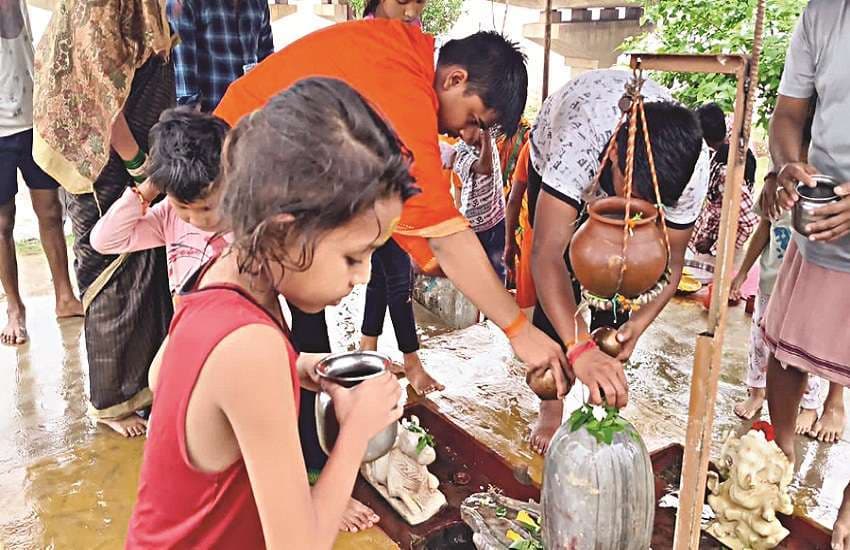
(719, 26)
(437, 18)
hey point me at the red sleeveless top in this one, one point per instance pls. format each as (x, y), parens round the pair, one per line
(179, 506)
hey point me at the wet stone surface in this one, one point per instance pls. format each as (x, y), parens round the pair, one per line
(65, 483)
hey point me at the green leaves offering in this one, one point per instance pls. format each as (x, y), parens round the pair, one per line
(602, 422)
(501, 512)
(425, 439)
(526, 544)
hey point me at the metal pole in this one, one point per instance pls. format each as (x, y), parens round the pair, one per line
(547, 47)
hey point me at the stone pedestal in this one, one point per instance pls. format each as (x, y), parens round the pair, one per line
(439, 296)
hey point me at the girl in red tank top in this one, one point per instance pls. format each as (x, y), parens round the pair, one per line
(315, 182)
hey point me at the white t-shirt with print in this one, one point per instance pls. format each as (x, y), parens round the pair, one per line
(16, 68)
(576, 123)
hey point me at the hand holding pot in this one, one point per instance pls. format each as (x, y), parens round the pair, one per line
(786, 183)
(835, 222)
(539, 352)
(367, 408)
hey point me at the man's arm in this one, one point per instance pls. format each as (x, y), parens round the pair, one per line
(464, 262)
(642, 318)
(553, 230)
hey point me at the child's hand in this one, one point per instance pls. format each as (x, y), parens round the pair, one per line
(367, 408)
(737, 283)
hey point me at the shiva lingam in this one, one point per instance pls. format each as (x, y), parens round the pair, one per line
(349, 369)
(756, 475)
(401, 476)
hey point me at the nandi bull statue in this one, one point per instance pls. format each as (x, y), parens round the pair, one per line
(402, 476)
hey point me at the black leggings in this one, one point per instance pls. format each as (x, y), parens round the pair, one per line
(391, 286)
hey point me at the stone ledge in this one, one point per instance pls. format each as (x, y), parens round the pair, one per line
(439, 296)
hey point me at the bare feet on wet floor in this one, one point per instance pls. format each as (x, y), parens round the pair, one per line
(841, 529)
(805, 421)
(546, 425)
(357, 517)
(422, 382)
(15, 331)
(68, 308)
(129, 426)
(830, 426)
(751, 408)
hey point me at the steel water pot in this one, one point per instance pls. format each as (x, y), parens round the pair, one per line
(349, 369)
(811, 200)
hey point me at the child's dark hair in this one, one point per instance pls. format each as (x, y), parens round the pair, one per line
(371, 7)
(318, 152)
(185, 154)
(676, 138)
(497, 73)
(713, 122)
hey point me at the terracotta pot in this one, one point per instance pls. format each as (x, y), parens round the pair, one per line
(596, 248)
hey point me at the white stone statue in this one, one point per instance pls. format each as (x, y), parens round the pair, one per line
(402, 476)
(756, 475)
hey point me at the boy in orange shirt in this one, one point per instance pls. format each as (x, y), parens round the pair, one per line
(479, 82)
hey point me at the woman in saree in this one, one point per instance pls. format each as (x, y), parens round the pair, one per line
(103, 75)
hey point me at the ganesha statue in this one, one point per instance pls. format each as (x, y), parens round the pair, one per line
(755, 474)
(402, 477)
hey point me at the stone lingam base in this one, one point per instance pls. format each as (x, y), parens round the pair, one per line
(465, 466)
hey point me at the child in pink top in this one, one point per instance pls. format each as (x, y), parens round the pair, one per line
(184, 164)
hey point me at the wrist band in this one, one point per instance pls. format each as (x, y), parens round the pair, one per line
(135, 162)
(580, 349)
(513, 329)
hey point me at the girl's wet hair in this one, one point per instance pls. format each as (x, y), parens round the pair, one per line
(317, 152)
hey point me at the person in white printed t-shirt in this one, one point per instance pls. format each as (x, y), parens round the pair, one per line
(567, 144)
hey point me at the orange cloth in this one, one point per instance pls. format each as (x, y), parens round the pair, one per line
(391, 64)
(526, 295)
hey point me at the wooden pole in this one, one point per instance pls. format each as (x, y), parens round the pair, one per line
(547, 47)
(709, 353)
(709, 345)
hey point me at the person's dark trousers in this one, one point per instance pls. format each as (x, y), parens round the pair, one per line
(493, 241)
(309, 335)
(391, 286)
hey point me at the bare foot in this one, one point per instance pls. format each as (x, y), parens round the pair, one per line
(397, 368)
(830, 426)
(422, 382)
(129, 426)
(15, 332)
(358, 517)
(841, 529)
(546, 425)
(805, 421)
(751, 408)
(69, 308)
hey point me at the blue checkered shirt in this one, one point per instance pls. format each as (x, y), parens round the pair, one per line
(219, 41)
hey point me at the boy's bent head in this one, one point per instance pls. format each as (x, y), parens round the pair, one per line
(481, 81)
(185, 155)
(713, 122)
(676, 138)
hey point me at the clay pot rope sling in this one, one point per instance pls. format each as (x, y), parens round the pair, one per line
(632, 106)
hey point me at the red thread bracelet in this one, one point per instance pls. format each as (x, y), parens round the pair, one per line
(513, 329)
(142, 200)
(578, 350)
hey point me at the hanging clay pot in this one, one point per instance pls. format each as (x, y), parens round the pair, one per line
(597, 247)
(597, 496)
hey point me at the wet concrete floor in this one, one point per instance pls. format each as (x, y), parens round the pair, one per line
(65, 483)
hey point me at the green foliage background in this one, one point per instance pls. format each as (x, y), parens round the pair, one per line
(437, 18)
(719, 26)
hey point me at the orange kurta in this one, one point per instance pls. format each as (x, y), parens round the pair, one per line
(526, 295)
(391, 64)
